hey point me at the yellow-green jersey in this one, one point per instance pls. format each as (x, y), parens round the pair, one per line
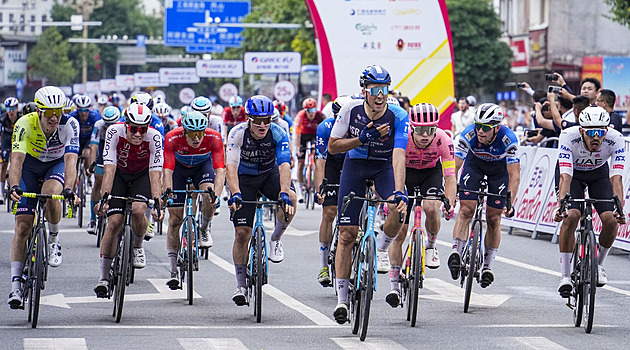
(29, 138)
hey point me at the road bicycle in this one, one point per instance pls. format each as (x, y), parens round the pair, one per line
(35, 272)
(121, 271)
(584, 261)
(324, 189)
(82, 188)
(258, 263)
(363, 274)
(189, 251)
(472, 258)
(412, 275)
(308, 187)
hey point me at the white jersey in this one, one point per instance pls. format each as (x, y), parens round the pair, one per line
(216, 123)
(573, 155)
(133, 159)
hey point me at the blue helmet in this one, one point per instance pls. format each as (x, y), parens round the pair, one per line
(201, 104)
(194, 120)
(236, 101)
(374, 74)
(111, 114)
(259, 106)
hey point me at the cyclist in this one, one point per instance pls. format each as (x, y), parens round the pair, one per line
(44, 157)
(132, 163)
(7, 121)
(330, 168)
(182, 112)
(110, 116)
(195, 152)
(429, 163)
(307, 121)
(163, 111)
(257, 159)
(146, 99)
(583, 156)
(282, 108)
(234, 113)
(485, 148)
(87, 118)
(375, 136)
(102, 103)
(204, 105)
(115, 100)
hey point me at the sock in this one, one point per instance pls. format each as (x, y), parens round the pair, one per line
(281, 226)
(384, 241)
(53, 229)
(342, 290)
(488, 257)
(92, 213)
(172, 259)
(241, 275)
(459, 245)
(602, 253)
(565, 264)
(394, 277)
(205, 222)
(106, 263)
(137, 241)
(324, 251)
(17, 269)
(432, 237)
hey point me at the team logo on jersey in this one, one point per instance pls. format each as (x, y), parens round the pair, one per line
(469, 136)
(506, 140)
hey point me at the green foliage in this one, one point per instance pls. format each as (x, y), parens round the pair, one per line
(481, 60)
(619, 12)
(49, 59)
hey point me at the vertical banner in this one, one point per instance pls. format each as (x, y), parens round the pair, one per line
(592, 67)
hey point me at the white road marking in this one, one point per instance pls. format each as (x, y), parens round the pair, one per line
(452, 293)
(175, 326)
(369, 344)
(538, 343)
(310, 313)
(64, 230)
(211, 344)
(54, 344)
(290, 231)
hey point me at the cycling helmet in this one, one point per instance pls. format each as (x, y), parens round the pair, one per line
(488, 113)
(275, 116)
(50, 97)
(280, 106)
(374, 74)
(259, 106)
(111, 114)
(201, 104)
(142, 98)
(339, 102)
(424, 114)
(194, 120)
(29, 108)
(115, 98)
(235, 101)
(594, 117)
(11, 102)
(69, 105)
(162, 109)
(138, 113)
(159, 99)
(471, 100)
(184, 110)
(102, 100)
(309, 103)
(393, 101)
(83, 101)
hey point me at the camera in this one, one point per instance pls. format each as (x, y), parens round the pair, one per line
(532, 133)
(545, 108)
(551, 77)
(554, 89)
(521, 85)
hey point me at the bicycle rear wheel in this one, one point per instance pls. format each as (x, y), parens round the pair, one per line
(472, 262)
(577, 279)
(190, 252)
(367, 284)
(417, 276)
(122, 274)
(354, 291)
(37, 275)
(100, 229)
(259, 271)
(81, 194)
(589, 273)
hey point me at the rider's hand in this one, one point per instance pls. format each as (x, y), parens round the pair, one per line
(100, 210)
(15, 193)
(73, 199)
(369, 134)
(559, 216)
(401, 201)
(288, 204)
(621, 218)
(320, 197)
(235, 201)
(510, 213)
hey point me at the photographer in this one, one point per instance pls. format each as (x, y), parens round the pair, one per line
(544, 122)
(606, 99)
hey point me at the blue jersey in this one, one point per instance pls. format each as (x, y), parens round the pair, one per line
(351, 121)
(86, 128)
(503, 148)
(254, 157)
(321, 141)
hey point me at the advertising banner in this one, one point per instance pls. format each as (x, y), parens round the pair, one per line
(14, 66)
(272, 62)
(526, 156)
(219, 68)
(78, 88)
(185, 75)
(92, 87)
(147, 79)
(520, 48)
(125, 82)
(108, 85)
(616, 77)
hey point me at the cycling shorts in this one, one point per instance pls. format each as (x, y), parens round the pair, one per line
(304, 139)
(473, 171)
(83, 143)
(5, 146)
(429, 180)
(200, 174)
(34, 174)
(599, 187)
(128, 185)
(356, 171)
(333, 175)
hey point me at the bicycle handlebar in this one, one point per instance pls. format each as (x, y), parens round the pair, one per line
(507, 197)
(437, 197)
(615, 200)
(352, 195)
(280, 203)
(168, 201)
(58, 197)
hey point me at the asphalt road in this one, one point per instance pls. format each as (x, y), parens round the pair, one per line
(521, 310)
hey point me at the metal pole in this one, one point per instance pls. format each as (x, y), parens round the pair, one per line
(85, 36)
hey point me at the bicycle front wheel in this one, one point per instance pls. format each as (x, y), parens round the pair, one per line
(577, 279)
(354, 290)
(367, 285)
(589, 275)
(190, 252)
(37, 276)
(259, 271)
(471, 262)
(417, 275)
(81, 194)
(100, 229)
(122, 272)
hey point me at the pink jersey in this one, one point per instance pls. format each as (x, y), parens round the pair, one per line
(441, 148)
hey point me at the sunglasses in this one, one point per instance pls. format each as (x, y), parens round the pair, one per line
(312, 110)
(237, 107)
(376, 90)
(134, 129)
(50, 112)
(257, 121)
(83, 110)
(194, 133)
(484, 127)
(11, 109)
(596, 132)
(420, 130)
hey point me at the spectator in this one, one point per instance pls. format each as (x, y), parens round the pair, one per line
(327, 105)
(462, 118)
(544, 122)
(606, 99)
(217, 109)
(579, 103)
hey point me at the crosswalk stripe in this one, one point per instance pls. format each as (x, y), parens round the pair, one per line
(54, 344)
(369, 344)
(211, 344)
(538, 343)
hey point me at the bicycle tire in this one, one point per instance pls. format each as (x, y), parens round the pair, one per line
(259, 270)
(190, 251)
(37, 283)
(355, 292)
(100, 229)
(589, 268)
(417, 276)
(123, 273)
(473, 258)
(405, 283)
(81, 194)
(331, 257)
(367, 285)
(578, 291)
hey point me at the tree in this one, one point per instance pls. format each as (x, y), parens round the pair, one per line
(619, 12)
(481, 59)
(49, 59)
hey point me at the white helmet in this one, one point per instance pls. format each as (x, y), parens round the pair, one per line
(275, 116)
(393, 101)
(594, 117)
(162, 109)
(138, 113)
(158, 99)
(201, 104)
(103, 99)
(488, 113)
(83, 101)
(50, 97)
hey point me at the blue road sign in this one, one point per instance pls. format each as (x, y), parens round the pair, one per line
(19, 86)
(194, 22)
(205, 49)
(141, 40)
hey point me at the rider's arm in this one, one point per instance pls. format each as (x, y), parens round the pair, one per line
(71, 153)
(339, 141)
(167, 179)
(70, 177)
(564, 184)
(156, 161)
(514, 172)
(156, 183)
(320, 171)
(110, 158)
(109, 171)
(15, 170)
(617, 186)
(218, 162)
(233, 157)
(285, 177)
(398, 163)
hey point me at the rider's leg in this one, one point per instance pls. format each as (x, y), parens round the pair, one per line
(325, 233)
(172, 236)
(493, 235)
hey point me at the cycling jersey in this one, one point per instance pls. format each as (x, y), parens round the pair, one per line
(307, 126)
(440, 149)
(29, 138)
(129, 158)
(6, 130)
(321, 142)
(351, 121)
(230, 120)
(6, 125)
(98, 138)
(169, 124)
(254, 157)
(573, 155)
(284, 125)
(177, 149)
(215, 123)
(86, 128)
(503, 147)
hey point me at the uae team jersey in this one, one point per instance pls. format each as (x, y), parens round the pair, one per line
(133, 159)
(573, 155)
(177, 149)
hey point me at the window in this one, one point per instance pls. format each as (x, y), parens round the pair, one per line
(32, 21)
(43, 18)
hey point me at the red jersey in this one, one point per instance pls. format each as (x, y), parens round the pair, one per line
(130, 158)
(306, 126)
(230, 120)
(176, 149)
